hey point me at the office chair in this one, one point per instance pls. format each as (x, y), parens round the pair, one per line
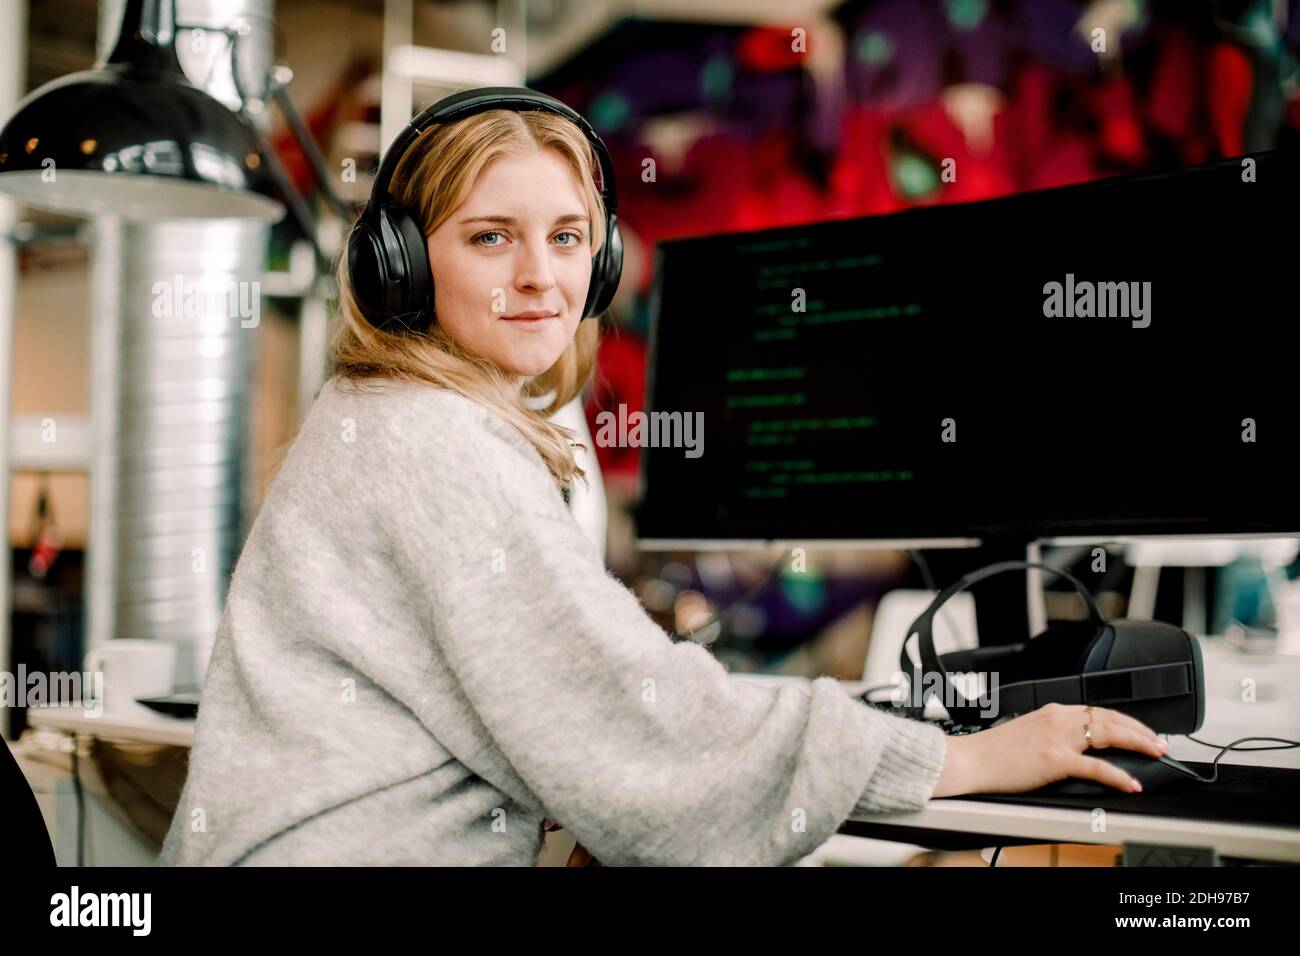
(22, 823)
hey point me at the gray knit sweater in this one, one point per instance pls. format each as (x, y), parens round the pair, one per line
(422, 656)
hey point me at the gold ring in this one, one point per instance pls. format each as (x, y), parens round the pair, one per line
(1087, 735)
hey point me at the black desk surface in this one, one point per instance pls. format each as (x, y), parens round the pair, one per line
(1265, 796)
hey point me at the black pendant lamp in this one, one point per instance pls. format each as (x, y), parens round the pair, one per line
(133, 137)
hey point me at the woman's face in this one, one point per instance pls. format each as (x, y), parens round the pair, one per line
(520, 243)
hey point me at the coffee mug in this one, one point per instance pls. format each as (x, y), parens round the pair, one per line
(132, 668)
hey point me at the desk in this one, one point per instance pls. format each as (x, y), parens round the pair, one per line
(954, 823)
(147, 728)
(1274, 681)
(113, 836)
(964, 823)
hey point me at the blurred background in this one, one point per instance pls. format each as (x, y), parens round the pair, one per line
(755, 114)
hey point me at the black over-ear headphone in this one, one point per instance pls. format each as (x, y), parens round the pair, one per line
(388, 260)
(1147, 669)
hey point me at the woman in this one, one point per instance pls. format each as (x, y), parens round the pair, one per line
(422, 657)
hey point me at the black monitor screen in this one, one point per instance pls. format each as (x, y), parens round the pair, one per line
(1116, 357)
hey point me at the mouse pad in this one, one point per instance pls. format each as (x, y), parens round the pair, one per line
(1262, 795)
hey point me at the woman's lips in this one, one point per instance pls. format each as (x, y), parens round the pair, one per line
(529, 322)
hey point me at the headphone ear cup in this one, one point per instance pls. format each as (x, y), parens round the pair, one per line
(410, 248)
(366, 268)
(606, 271)
(388, 262)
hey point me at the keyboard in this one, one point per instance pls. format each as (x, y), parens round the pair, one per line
(949, 727)
(953, 729)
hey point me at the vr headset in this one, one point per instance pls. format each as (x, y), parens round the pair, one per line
(1147, 669)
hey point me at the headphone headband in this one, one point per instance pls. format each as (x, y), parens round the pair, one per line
(388, 259)
(480, 100)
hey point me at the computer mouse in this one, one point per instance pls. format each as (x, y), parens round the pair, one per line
(1156, 774)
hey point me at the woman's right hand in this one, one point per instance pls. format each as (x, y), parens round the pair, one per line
(1042, 747)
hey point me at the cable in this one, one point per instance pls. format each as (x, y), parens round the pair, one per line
(1287, 744)
(81, 807)
(1233, 746)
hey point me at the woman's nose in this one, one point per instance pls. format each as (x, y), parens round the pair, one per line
(533, 268)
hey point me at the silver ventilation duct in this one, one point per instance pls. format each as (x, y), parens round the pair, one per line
(175, 312)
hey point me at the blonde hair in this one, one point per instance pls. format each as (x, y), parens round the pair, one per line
(431, 180)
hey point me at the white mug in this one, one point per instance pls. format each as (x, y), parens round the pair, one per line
(132, 668)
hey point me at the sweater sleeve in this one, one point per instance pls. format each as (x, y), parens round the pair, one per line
(647, 750)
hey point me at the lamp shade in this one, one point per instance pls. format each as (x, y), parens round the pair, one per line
(133, 137)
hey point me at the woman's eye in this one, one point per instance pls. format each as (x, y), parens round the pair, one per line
(481, 238)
